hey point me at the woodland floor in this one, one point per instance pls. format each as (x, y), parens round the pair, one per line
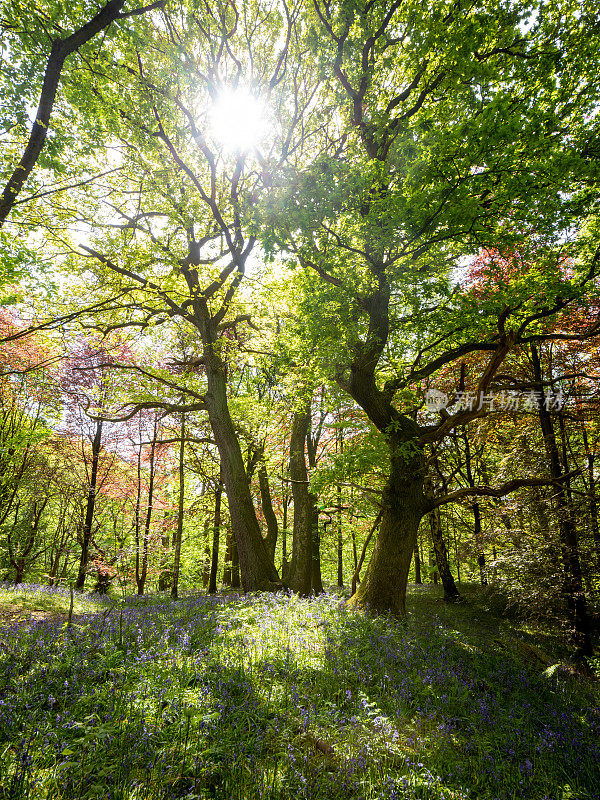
(271, 696)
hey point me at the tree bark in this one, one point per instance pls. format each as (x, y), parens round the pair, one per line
(316, 577)
(383, 589)
(142, 574)
(235, 566)
(355, 577)
(86, 535)
(228, 559)
(166, 573)
(592, 490)
(300, 572)
(268, 512)
(257, 568)
(418, 579)
(312, 442)
(180, 505)
(572, 586)
(214, 564)
(476, 514)
(451, 593)
(207, 554)
(340, 540)
(284, 530)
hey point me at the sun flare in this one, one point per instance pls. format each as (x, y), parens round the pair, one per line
(237, 120)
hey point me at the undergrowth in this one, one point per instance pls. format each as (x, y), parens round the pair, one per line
(272, 696)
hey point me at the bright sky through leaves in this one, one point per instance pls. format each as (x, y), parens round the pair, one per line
(237, 120)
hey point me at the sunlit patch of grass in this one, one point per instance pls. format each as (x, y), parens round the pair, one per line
(28, 601)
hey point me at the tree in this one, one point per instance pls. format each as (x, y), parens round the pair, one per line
(194, 213)
(61, 48)
(431, 150)
(87, 384)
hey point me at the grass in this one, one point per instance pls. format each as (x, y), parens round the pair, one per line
(26, 600)
(278, 697)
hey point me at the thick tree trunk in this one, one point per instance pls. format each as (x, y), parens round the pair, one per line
(300, 573)
(573, 586)
(86, 534)
(383, 589)
(257, 568)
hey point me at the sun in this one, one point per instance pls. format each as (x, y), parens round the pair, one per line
(237, 120)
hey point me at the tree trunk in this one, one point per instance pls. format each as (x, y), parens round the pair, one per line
(433, 572)
(257, 568)
(207, 554)
(284, 523)
(300, 573)
(340, 541)
(573, 585)
(267, 507)
(179, 533)
(355, 578)
(136, 514)
(316, 578)
(383, 589)
(235, 566)
(451, 593)
(476, 514)
(227, 569)
(86, 535)
(214, 565)
(593, 503)
(23, 558)
(166, 573)
(418, 579)
(142, 574)
(456, 550)
(312, 442)
(340, 555)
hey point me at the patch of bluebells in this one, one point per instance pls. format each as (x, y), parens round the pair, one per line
(272, 696)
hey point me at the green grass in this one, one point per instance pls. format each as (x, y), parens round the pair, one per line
(278, 697)
(26, 600)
